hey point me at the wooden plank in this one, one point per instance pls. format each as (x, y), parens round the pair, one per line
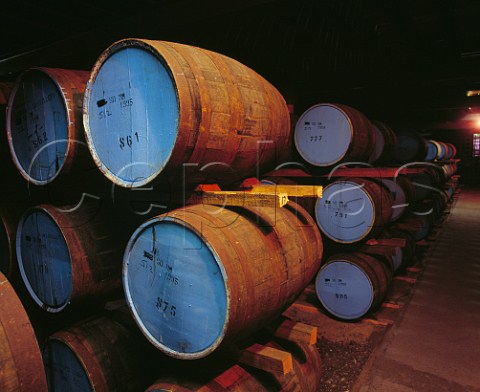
(406, 279)
(240, 199)
(297, 332)
(329, 328)
(380, 250)
(400, 242)
(290, 190)
(266, 358)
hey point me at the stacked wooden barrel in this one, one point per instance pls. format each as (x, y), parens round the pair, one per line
(197, 279)
(156, 108)
(22, 367)
(199, 276)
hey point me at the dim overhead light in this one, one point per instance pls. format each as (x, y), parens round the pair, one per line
(473, 93)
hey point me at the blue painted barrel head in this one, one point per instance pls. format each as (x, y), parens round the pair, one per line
(323, 134)
(64, 369)
(4, 250)
(432, 151)
(131, 115)
(442, 151)
(345, 213)
(176, 288)
(38, 127)
(344, 289)
(44, 260)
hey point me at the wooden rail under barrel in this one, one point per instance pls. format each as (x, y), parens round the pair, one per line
(257, 195)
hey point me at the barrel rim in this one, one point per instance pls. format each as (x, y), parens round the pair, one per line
(131, 305)
(340, 109)
(343, 259)
(57, 336)
(366, 234)
(113, 48)
(70, 127)
(34, 296)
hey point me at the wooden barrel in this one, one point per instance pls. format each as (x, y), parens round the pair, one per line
(327, 134)
(428, 181)
(20, 359)
(305, 377)
(443, 151)
(411, 147)
(349, 285)
(399, 195)
(353, 209)
(452, 151)
(98, 355)
(433, 150)
(385, 142)
(307, 364)
(201, 276)
(8, 259)
(405, 255)
(152, 106)
(234, 379)
(44, 124)
(67, 256)
(420, 226)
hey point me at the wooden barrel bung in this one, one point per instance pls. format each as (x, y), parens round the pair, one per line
(353, 209)
(152, 106)
(349, 285)
(67, 257)
(200, 276)
(44, 122)
(327, 134)
(98, 355)
(20, 359)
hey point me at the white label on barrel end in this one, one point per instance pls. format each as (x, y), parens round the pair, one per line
(323, 135)
(344, 289)
(345, 213)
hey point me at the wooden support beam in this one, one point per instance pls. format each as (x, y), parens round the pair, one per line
(266, 358)
(240, 199)
(297, 332)
(395, 242)
(291, 190)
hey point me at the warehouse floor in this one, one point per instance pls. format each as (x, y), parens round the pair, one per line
(436, 344)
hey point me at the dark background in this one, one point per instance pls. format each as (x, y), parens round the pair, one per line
(408, 63)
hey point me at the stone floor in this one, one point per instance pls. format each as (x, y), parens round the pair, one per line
(436, 344)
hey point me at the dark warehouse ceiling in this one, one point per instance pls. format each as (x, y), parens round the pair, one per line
(403, 61)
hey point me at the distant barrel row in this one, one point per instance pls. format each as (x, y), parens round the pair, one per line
(329, 134)
(352, 283)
